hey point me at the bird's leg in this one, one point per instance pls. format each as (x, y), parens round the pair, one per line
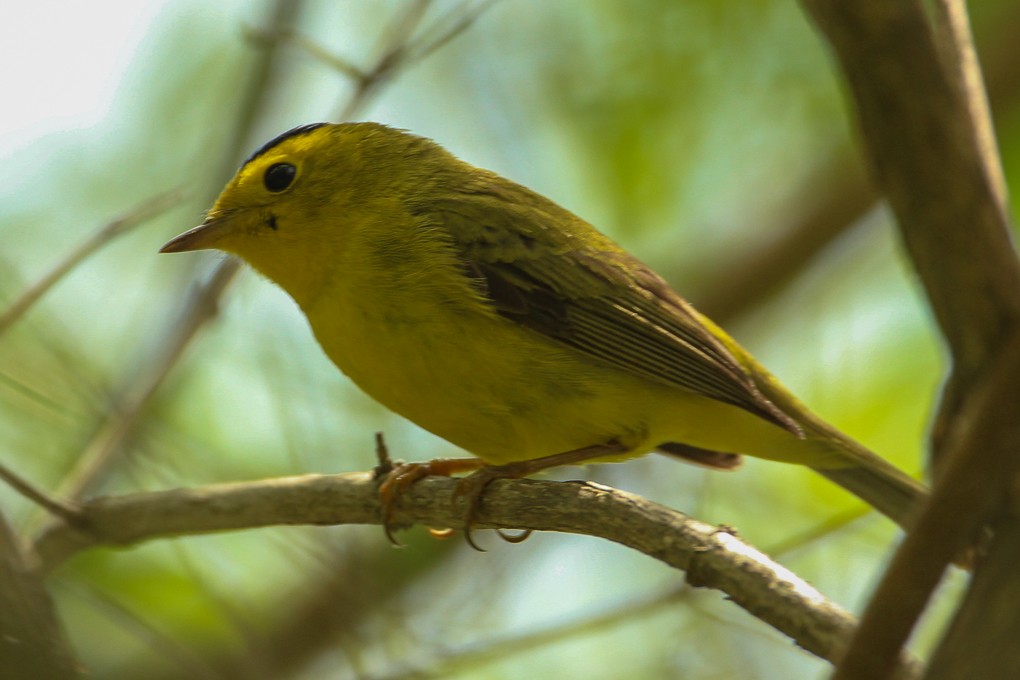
(473, 486)
(397, 477)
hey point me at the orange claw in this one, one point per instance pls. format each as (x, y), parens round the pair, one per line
(473, 486)
(397, 477)
(400, 476)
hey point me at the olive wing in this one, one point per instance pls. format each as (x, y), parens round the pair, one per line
(546, 269)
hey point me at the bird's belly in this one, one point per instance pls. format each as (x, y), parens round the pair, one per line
(505, 393)
(499, 391)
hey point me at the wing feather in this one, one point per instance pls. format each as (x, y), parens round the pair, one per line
(548, 270)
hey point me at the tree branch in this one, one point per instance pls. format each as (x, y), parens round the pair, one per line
(133, 217)
(926, 145)
(963, 499)
(925, 125)
(32, 641)
(830, 205)
(712, 557)
(974, 648)
(121, 422)
(838, 196)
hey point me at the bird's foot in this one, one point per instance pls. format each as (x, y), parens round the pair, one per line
(397, 477)
(472, 487)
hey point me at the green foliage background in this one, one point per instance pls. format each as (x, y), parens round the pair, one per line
(692, 132)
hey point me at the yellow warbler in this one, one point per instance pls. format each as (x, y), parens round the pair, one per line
(503, 323)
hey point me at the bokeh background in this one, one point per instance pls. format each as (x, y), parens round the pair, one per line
(710, 137)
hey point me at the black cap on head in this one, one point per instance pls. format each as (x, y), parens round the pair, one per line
(293, 132)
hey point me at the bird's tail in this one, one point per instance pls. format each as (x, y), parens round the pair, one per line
(852, 466)
(883, 486)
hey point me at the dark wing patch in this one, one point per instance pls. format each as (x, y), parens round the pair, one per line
(576, 286)
(275, 141)
(533, 306)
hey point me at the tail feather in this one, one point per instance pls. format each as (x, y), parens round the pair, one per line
(883, 486)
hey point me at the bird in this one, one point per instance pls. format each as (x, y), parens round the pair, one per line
(505, 324)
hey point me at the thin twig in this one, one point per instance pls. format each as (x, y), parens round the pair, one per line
(459, 660)
(322, 54)
(448, 27)
(390, 59)
(134, 217)
(127, 410)
(65, 511)
(401, 50)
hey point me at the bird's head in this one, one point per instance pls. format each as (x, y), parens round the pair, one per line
(297, 203)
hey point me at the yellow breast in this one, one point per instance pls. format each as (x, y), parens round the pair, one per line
(499, 391)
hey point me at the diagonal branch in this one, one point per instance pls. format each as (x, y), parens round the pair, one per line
(835, 203)
(139, 387)
(932, 160)
(134, 217)
(32, 640)
(712, 557)
(839, 195)
(924, 120)
(960, 504)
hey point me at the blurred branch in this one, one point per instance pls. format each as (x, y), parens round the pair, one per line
(318, 52)
(392, 56)
(448, 27)
(962, 501)
(32, 641)
(972, 648)
(837, 199)
(927, 148)
(36, 495)
(402, 49)
(712, 557)
(467, 658)
(138, 215)
(330, 612)
(140, 385)
(459, 660)
(925, 125)
(128, 411)
(395, 53)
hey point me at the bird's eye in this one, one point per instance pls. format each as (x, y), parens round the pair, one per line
(279, 176)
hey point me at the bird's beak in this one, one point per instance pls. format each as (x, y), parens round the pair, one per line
(203, 237)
